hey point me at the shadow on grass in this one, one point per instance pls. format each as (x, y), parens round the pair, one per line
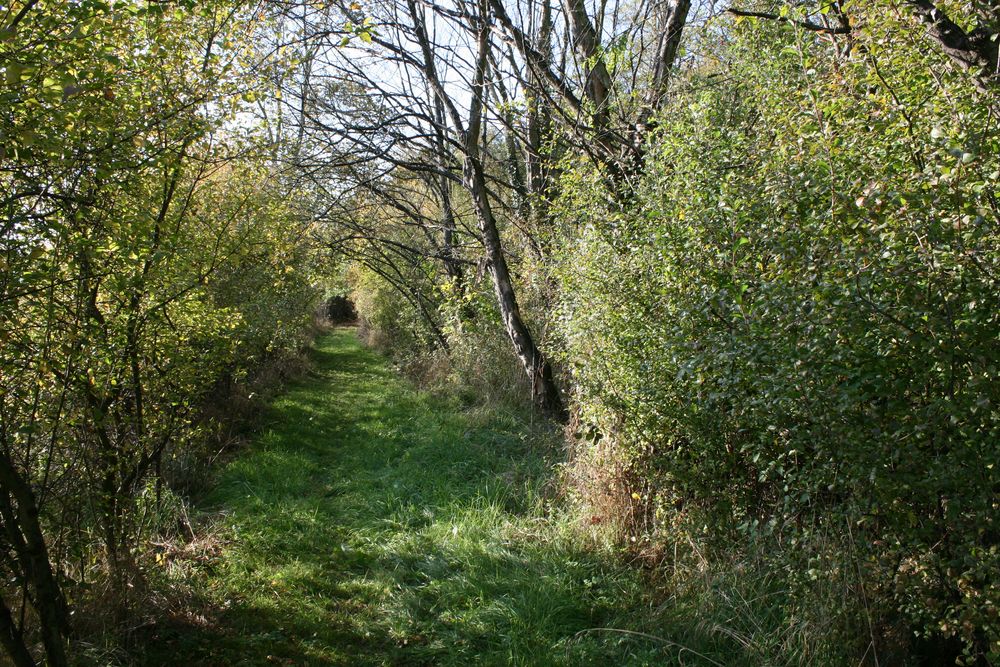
(368, 526)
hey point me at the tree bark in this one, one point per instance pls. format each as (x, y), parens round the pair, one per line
(597, 84)
(544, 392)
(539, 124)
(974, 50)
(12, 639)
(671, 29)
(451, 264)
(25, 533)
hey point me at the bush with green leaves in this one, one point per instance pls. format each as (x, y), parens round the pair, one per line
(147, 250)
(792, 332)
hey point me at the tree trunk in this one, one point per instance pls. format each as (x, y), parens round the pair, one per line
(539, 121)
(25, 533)
(587, 43)
(974, 50)
(544, 392)
(451, 264)
(671, 28)
(12, 639)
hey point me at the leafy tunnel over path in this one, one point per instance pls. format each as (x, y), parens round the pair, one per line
(370, 523)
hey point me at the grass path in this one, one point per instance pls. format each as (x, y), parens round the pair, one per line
(368, 525)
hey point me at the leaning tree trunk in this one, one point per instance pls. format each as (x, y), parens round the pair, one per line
(544, 392)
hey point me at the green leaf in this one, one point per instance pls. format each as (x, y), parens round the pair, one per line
(13, 74)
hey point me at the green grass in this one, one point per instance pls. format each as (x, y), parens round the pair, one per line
(371, 525)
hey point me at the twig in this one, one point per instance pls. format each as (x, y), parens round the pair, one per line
(808, 25)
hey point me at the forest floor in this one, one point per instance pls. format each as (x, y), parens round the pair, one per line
(372, 524)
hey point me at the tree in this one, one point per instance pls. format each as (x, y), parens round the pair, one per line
(130, 198)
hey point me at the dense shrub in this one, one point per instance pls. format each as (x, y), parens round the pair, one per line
(387, 319)
(792, 332)
(147, 252)
(477, 363)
